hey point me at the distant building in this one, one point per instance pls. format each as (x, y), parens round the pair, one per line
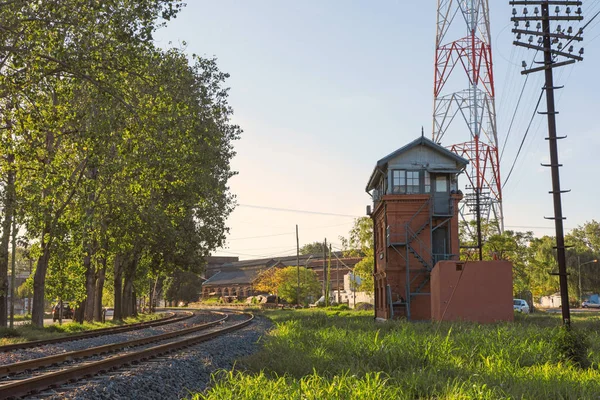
(237, 278)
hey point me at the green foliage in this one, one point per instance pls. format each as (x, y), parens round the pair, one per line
(284, 283)
(183, 286)
(314, 354)
(309, 284)
(313, 248)
(360, 244)
(119, 147)
(572, 346)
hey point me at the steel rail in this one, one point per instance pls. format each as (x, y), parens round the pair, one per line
(96, 332)
(54, 379)
(36, 363)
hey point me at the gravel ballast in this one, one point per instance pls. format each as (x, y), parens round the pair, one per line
(173, 376)
(64, 347)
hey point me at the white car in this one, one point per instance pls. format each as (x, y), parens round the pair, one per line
(589, 304)
(521, 306)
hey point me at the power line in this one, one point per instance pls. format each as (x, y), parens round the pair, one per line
(264, 236)
(298, 211)
(512, 120)
(524, 137)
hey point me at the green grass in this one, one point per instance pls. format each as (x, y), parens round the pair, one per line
(28, 332)
(336, 354)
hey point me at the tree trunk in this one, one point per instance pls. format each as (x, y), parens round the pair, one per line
(8, 210)
(90, 286)
(39, 281)
(129, 276)
(89, 247)
(127, 294)
(100, 276)
(153, 294)
(79, 312)
(118, 287)
(134, 312)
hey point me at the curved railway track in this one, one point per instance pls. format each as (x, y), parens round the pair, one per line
(33, 376)
(170, 319)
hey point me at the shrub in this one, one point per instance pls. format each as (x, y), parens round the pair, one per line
(572, 346)
(363, 306)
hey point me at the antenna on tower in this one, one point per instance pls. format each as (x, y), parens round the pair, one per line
(475, 103)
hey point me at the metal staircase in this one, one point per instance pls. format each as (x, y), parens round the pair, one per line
(413, 245)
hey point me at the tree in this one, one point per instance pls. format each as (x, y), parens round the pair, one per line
(183, 286)
(313, 248)
(360, 244)
(268, 281)
(310, 287)
(283, 282)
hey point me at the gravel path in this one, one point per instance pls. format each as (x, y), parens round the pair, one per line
(173, 376)
(58, 348)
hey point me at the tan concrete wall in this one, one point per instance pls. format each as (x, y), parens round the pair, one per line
(481, 291)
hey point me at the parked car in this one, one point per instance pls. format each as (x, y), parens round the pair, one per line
(67, 311)
(109, 311)
(521, 306)
(589, 304)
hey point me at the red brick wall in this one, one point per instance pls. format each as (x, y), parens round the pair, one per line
(395, 211)
(481, 291)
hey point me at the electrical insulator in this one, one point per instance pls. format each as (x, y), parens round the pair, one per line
(514, 11)
(560, 46)
(581, 51)
(568, 11)
(539, 26)
(558, 29)
(516, 24)
(536, 11)
(524, 64)
(530, 39)
(570, 30)
(570, 49)
(578, 12)
(525, 11)
(540, 40)
(518, 36)
(557, 9)
(527, 24)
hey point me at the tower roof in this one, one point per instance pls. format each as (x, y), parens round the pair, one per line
(420, 141)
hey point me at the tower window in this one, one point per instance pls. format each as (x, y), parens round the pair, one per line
(407, 182)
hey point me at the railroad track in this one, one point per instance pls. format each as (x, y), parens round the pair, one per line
(169, 319)
(33, 376)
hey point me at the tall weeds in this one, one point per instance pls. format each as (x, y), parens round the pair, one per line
(346, 355)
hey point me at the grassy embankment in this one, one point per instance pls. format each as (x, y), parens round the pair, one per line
(345, 355)
(28, 332)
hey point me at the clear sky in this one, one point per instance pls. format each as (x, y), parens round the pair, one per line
(324, 89)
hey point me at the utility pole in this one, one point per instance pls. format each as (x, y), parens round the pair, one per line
(337, 279)
(546, 38)
(297, 266)
(328, 274)
(12, 271)
(325, 270)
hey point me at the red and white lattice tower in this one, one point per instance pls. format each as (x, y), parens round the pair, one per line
(463, 51)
